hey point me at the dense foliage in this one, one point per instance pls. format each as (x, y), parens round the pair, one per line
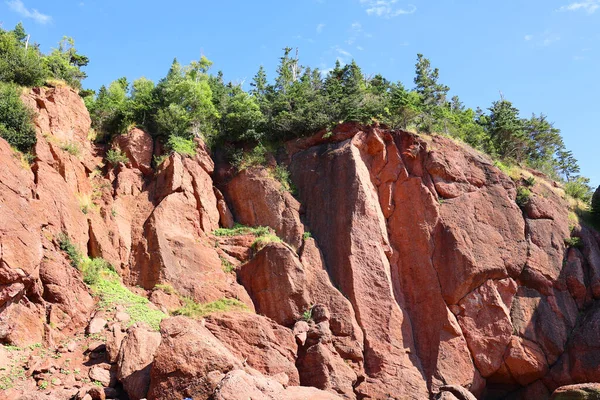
(15, 119)
(190, 102)
(23, 64)
(596, 204)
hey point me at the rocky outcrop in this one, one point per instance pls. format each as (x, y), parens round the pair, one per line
(406, 270)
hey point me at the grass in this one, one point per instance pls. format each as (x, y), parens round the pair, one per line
(226, 265)
(158, 160)
(106, 285)
(165, 287)
(306, 235)
(263, 240)
(71, 148)
(239, 230)
(192, 309)
(116, 156)
(263, 234)
(112, 293)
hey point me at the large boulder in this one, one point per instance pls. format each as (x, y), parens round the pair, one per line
(138, 146)
(266, 346)
(135, 360)
(187, 354)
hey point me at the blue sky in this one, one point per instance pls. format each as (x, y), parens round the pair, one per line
(543, 55)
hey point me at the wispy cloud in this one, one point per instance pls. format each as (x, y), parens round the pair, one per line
(18, 7)
(589, 6)
(386, 8)
(544, 39)
(320, 27)
(343, 52)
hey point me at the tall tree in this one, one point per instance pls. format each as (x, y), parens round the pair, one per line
(506, 131)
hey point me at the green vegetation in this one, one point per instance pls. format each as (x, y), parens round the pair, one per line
(190, 102)
(106, 284)
(196, 310)
(226, 265)
(239, 229)
(116, 156)
(112, 293)
(306, 235)
(183, 146)
(71, 148)
(22, 62)
(595, 206)
(15, 119)
(263, 234)
(579, 189)
(523, 195)
(529, 182)
(282, 175)
(262, 241)
(165, 287)
(574, 242)
(307, 314)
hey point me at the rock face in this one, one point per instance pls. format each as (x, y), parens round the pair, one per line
(406, 269)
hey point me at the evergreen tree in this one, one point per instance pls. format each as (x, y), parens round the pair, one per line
(506, 131)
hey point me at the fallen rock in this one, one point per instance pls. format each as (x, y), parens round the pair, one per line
(135, 359)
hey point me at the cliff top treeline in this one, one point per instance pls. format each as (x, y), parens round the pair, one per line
(190, 101)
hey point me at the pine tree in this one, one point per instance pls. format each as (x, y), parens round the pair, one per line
(596, 204)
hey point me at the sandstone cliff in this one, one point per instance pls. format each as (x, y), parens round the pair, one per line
(402, 269)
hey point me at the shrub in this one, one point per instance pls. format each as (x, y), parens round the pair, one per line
(282, 175)
(529, 182)
(226, 265)
(306, 235)
(579, 189)
(116, 156)
(307, 314)
(196, 310)
(574, 242)
(523, 196)
(185, 147)
(71, 148)
(65, 244)
(596, 204)
(15, 119)
(255, 157)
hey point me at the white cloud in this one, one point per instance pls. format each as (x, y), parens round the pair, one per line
(359, 48)
(18, 7)
(589, 6)
(320, 27)
(343, 52)
(545, 39)
(386, 8)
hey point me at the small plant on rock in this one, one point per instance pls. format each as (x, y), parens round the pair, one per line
(523, 196)
(307, 314)
(574, 242)
(116, 156)
(71, 148)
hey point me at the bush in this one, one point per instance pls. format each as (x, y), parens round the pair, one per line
(529, 182)
(71, 148)
(65, 244)
(185, 147)
(574, 242)
(116, 156)
(579, 189)
(523, 196)
(282, 175)
(255, 157)
(596, 204)
(15, 119)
